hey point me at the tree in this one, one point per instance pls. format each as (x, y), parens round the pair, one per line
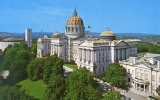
(13, 93)
(52, 67)
(148, 48)
(34, 50)
(158, 90)
(55, 89)
(112, 95)
(15, 59)
(17, 71)
(115, 74)
(35, 68)
(80, 85)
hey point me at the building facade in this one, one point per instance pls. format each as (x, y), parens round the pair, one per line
(94, 53)
(143, 73)
(28, 37)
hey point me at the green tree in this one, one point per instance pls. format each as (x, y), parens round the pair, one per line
(55, 89)
(17, 71)
(80, 85)
(52, 67)
(13, 93)
(35, 68)
(158, 90)
(112, 95)
(15, 59)
(34, 50)
(115, 74)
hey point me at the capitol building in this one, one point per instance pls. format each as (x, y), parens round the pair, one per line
(94, 53)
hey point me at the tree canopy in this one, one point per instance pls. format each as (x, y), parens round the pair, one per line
(158, 90)
(52, 67)
(148, 48)
(115, 74)
(15, 59)
(112, 95)
(35, 68)
(80, 85)
(13, 93)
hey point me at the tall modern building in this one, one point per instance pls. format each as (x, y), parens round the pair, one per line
(28, 37)
(94, 53)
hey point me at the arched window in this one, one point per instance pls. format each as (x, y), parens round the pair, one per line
(68, 29)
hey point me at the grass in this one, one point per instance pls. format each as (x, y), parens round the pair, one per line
(102, 77)
(33, 88)
(142, 52)
(71, 66)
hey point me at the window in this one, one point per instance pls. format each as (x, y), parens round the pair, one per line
(142, 77)
(128, 71)
(153, 78)
(137, 74)
(129, 80)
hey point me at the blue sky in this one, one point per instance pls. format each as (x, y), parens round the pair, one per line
(120, 16)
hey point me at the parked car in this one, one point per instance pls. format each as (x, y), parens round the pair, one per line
(105, 88)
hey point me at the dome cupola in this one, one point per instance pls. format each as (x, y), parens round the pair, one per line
(107, 35)
(56, 35)
(75, 27)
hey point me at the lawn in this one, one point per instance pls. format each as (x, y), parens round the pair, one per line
(33, 88)
(71, 66)
(142, 52)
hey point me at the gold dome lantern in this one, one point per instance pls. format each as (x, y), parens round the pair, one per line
(107, 35)
(107, 32)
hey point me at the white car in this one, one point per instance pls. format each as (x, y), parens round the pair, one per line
(105, 88)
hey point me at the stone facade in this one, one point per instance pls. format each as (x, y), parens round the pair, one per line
(143, 73)
(86, 50)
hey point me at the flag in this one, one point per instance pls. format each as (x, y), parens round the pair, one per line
(89, 27)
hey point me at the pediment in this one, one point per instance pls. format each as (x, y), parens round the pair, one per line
(85, 44)
(121, 43)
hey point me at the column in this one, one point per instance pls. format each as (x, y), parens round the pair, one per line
(93, 56)
(118, 54)
(84, 54)
(144, 87)
(89, 55)
(80, 53)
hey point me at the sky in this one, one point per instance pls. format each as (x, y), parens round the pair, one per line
(120, 16)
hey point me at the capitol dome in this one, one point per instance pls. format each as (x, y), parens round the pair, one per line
(107, 35)
(75, 27)
(75, 20)
(56, 34)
